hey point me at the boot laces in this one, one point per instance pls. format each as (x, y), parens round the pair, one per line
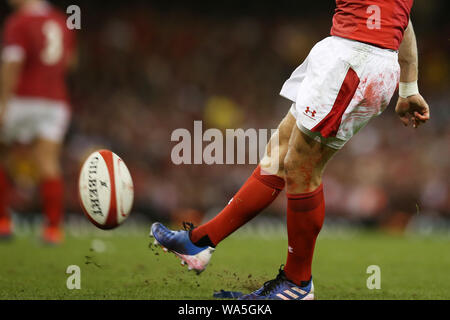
(188, 226)
(272, 284)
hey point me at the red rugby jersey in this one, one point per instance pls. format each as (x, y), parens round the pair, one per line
(378, 22)
(39, 35)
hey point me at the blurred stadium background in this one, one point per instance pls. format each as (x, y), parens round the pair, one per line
(147, 68)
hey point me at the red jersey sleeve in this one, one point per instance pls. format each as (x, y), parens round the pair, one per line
(15, 34)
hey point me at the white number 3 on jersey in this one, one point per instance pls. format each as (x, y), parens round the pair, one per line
(374, 21)
(53, 50)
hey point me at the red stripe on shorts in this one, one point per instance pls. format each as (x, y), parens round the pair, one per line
(329, 125)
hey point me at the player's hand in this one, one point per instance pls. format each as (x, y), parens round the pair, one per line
(412, 110)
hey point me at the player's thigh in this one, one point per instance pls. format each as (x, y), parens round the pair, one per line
(305, 162)
(278, 145)
(47, 157)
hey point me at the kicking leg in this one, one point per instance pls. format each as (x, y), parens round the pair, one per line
(258, 192)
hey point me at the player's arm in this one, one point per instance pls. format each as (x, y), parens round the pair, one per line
(411, 107)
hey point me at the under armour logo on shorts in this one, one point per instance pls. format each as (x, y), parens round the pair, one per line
(308, 110)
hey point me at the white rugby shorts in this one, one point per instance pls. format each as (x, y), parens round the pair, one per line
(339, 87)
(27, 119)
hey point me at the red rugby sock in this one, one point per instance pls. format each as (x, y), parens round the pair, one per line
(305, 215)
(52, 197)
(257, 193)
(4, 194)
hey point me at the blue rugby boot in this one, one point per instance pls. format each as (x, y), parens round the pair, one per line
(178, 242)
(281, 288)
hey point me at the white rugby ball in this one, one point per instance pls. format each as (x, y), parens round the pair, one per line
(105, 189)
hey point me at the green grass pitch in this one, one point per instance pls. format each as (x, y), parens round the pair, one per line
(122, 266)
